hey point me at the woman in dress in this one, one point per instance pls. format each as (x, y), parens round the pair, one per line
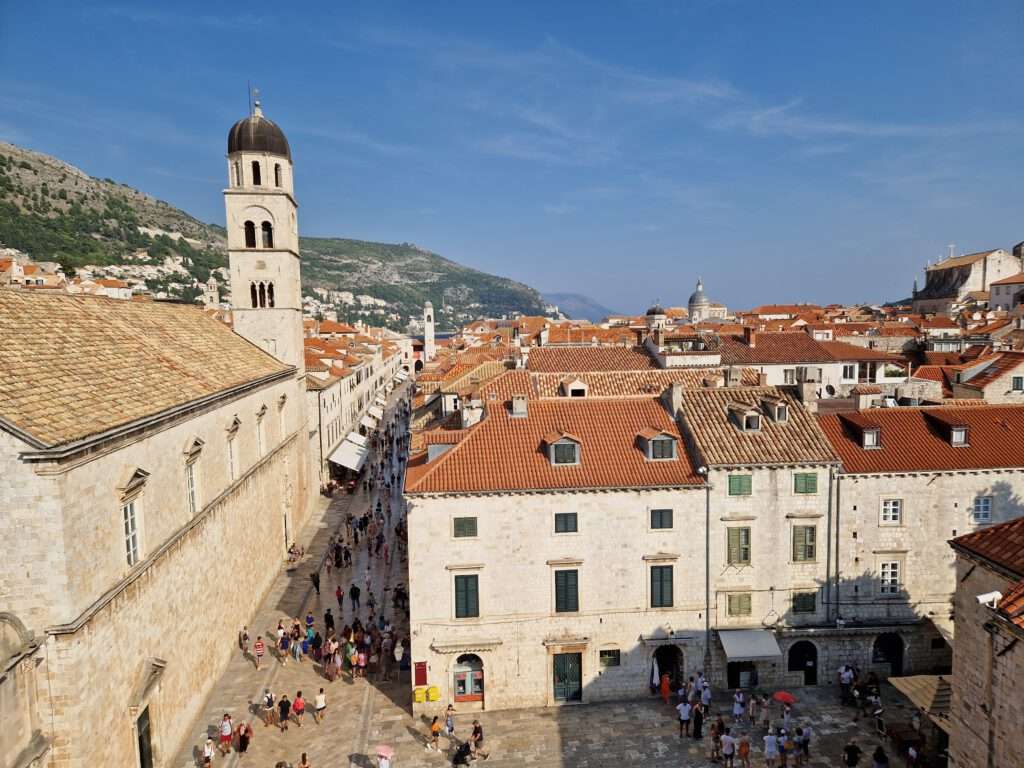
(698, 721)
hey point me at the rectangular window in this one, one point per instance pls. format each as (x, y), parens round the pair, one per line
(131, 533)
(609, 658)
(661, 518)
(1018, 383)
(739, 546)
(982, 511)
(805, 482)
(804, 543)
(565, 522)
(892, 511)
(849, 372)
(565, 453)
(259, 438)
(190, 488)
(465, 527)
(872, 438)
(467, 597)
(805, 602)
(789, 376)
(958, 436)
(567, 598)
(663, 448)
(738, 604)
(890, 581)
(740, 485)
(661, 586)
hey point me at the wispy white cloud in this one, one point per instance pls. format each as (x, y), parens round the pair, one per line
(789, 119)
(342, 135)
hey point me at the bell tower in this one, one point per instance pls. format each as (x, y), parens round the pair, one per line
(263, 238)
(428, 332)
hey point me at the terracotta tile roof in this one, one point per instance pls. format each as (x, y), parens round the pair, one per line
(1011, 280)
(840, 351)
(329, 326)
(980, 376)
(784, 309)
(633, 383)
(959, 261)
(944, 374)
(1012, 605)
(502, 453)
(798, 440)
(913, 439)
(502, 388)
(581, 359)
(313, 362)
(990, 327)
(1001, 544)
(106, 282)
(115, 361)
(778, 348)
(867, 389)
(589, 334)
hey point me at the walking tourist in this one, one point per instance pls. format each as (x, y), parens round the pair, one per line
(259, 648)
(269, 708)
(284, 711)
(684, 708)
(227, 730)
(320, 707)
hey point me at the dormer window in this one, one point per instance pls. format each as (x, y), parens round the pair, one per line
(781, 412)
(565, 452)
(661, 448)
(776, 409)
(871, 438)
(751, 422)
(958, 437)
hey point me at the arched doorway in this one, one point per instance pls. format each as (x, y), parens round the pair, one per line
(803, 657)
(419, 366)
(669, 659)
(468, 678)
(888, 649)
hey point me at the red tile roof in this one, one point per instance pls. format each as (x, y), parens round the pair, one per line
(1002, 545)
(581, 359)
(841, 351)
(991, 370)
(778, 348)
(1011, 280)
(913, 440)
(503, 453)
(634, 383)
(1012, 605)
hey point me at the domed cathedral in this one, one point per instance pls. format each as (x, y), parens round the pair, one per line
(263, 238)
(701, 308)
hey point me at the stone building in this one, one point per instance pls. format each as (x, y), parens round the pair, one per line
(954, 280)
(987, 712)
(911, 478)
(150, 462)
(701, 309)
(429, 348)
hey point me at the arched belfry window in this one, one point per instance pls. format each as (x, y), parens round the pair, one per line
(256, 173)
(250, 235)
(237, 167)
(270, 295)
(277, 174)
(268, 234)
(252, 294)
(263, 295)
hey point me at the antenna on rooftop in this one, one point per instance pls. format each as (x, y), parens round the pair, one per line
(952, 248)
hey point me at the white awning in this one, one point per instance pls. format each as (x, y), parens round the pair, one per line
(349, 455)
(749, 644)
(355, 437)
(380, 401)
(369, 422)
(376, 411)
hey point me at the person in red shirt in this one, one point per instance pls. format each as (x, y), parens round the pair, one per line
(298, 708)
(258, 649)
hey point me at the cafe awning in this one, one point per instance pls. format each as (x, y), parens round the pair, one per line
(369, 422)
(355, 437)
(931, 694)
(376, 411)
(380, 401)
(349, 455)
(749, 644)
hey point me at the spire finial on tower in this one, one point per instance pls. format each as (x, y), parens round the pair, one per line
(257, 111)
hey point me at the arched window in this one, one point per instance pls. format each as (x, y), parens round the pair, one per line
(268, 234)
(277, 174)
(250, 235)
(252, 294)
(270, 295)
(237, 168)
(263, 295)
(256, 173)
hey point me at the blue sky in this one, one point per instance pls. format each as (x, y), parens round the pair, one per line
(796, 151)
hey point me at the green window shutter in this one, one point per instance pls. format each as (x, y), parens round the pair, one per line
(567, 591)
(805, 482)
(661, 518)
(565, 522)
(804, 543)
(465, 527)
(739, 485)
(739, 546)
(661, 586)
(739, 604)
(805, 602)
(467, 603)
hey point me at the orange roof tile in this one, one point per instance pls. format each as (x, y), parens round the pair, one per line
(798, 440)
(1001, 544)
(913, 440)
(991, 369)
(1012, 605)
(503, 453)
(769, 348)
(1011, 280)
(580, 359)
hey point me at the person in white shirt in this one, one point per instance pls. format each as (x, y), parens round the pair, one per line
(684, 709)
(705, 695)
(771, 749)
(320, 706)
(728, 748)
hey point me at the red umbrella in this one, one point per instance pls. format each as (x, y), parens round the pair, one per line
(383, 750)
(785, 697)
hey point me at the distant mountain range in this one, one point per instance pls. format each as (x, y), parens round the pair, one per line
(53, 211)
(579, 307)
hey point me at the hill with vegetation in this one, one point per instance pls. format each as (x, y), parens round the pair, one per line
(52, 211)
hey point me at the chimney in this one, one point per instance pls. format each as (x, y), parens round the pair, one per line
(673, 397)
(519, 409)
(749, 336)
(807, 391)
(733, 376)
(472, 412)
(762, 379)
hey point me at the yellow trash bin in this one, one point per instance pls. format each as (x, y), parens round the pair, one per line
(419, 695)
(433, 693)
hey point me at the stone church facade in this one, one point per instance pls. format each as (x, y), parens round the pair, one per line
(153, 471)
